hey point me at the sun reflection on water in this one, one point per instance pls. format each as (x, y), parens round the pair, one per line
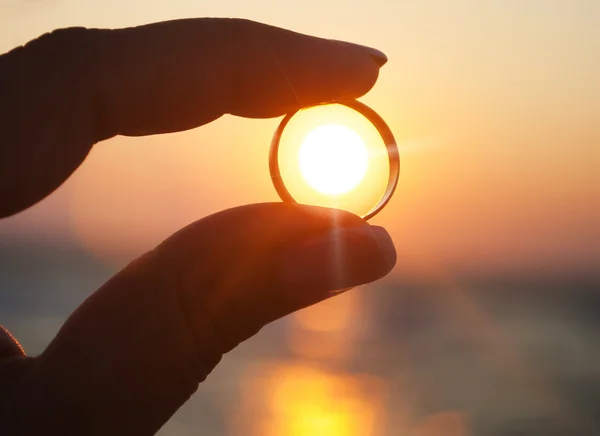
(311, 395)
(297, 399)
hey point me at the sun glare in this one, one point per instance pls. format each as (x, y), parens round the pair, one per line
(333, 159)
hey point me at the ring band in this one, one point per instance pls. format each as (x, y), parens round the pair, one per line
(384, 132)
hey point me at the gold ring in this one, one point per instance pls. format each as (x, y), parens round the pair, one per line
(384, 132)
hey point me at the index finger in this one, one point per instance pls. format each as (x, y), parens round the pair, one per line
(74, 87)
(180, 74)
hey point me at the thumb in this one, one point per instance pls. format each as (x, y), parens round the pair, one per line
(136, 350)
(289, 262)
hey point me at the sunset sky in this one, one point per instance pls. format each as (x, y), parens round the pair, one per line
(495, 106)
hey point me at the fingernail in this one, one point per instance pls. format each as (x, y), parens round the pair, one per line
(339, 259)
(377, 55)
(385, 244)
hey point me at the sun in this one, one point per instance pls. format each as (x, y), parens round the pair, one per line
(333, 159)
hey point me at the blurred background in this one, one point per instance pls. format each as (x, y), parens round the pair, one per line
(489, 323)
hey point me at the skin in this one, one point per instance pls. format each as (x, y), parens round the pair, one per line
(138, 347)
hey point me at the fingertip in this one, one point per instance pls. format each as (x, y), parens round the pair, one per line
(380, 57)
(336, 259)
(385, 244)
(321, 69)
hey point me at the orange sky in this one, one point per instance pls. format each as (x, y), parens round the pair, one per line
(496, 107)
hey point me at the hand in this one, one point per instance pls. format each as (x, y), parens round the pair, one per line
(136, 350)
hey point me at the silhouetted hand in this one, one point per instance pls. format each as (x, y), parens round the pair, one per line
(136, 350)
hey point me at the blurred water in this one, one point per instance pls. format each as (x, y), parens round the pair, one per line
(502, 356)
